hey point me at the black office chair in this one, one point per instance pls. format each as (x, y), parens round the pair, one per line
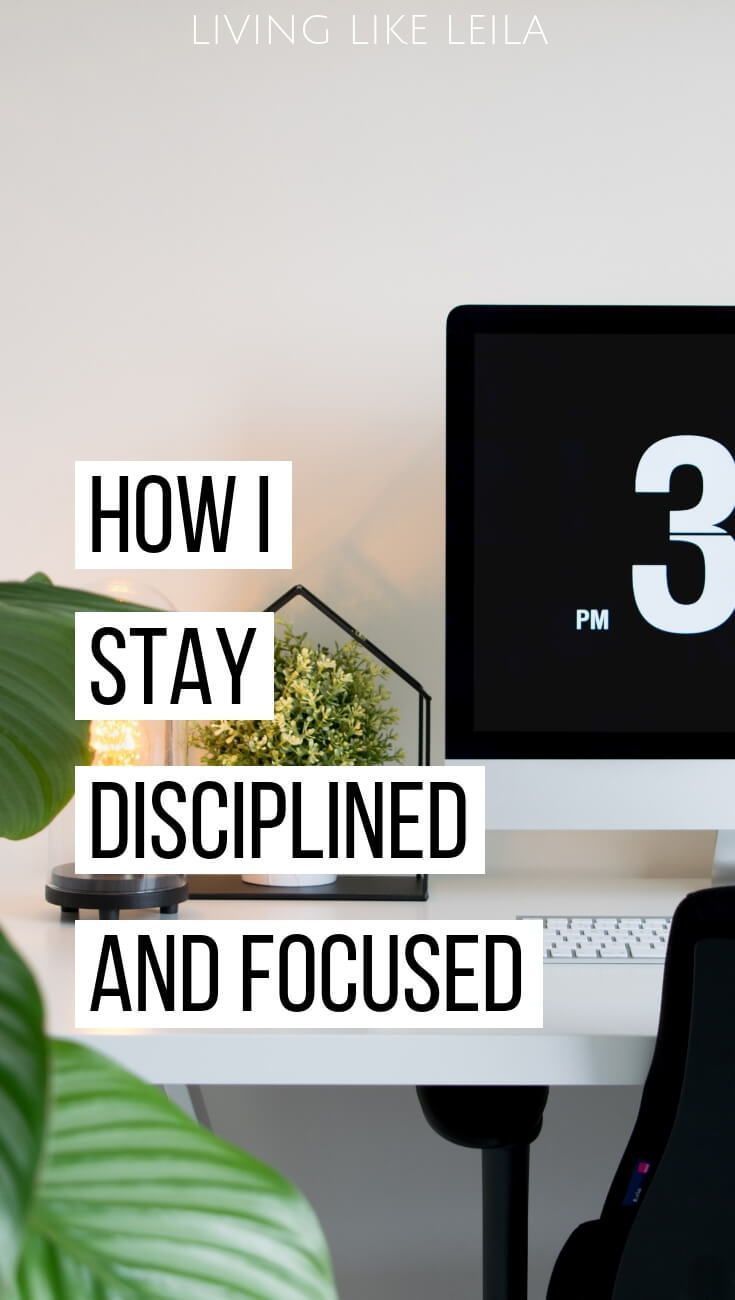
(667, 1228)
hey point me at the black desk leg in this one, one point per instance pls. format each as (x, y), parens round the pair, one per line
(504, 1222)
(502, 1123)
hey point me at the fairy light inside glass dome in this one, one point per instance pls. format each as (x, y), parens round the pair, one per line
(116, 743)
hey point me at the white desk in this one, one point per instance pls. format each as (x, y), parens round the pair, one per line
(600, 1022)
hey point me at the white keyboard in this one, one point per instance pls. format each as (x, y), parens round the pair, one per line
(604, 938)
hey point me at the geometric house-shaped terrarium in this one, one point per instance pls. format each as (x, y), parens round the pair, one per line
(383, 888)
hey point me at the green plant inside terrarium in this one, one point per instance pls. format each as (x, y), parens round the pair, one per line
(331, 707)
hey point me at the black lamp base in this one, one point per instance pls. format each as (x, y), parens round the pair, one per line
(109, 895)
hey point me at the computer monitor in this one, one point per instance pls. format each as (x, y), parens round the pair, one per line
(590, 647)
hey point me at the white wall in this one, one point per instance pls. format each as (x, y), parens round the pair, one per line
(220, 252)
(241, 252)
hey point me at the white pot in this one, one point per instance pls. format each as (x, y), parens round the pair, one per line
(289, 882)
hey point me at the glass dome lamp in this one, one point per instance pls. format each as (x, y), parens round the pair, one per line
(116, 742)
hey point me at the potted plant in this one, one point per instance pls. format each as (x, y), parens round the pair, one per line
(332, 707)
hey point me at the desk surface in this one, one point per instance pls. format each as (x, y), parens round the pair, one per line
(599, 1022)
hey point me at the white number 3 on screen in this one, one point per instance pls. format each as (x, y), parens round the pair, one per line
(699, 526)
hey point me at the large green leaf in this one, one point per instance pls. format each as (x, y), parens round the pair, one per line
(110, 1192)
(40, 742)
(135, 1201)
(22, 1102)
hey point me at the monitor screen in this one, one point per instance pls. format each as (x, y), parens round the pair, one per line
(591, 513)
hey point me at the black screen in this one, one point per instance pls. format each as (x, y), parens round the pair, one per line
(573, 633)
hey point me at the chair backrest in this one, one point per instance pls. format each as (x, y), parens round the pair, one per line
(673, 1197)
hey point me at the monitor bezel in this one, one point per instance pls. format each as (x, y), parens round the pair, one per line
(461, 739)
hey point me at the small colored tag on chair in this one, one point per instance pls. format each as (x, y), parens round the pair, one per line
(641, 1171)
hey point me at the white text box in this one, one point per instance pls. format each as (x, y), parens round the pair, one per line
(353, 820)
(185, 514)
(174, 665)
(309, 974)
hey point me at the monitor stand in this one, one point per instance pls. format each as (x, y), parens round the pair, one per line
(723, 864)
